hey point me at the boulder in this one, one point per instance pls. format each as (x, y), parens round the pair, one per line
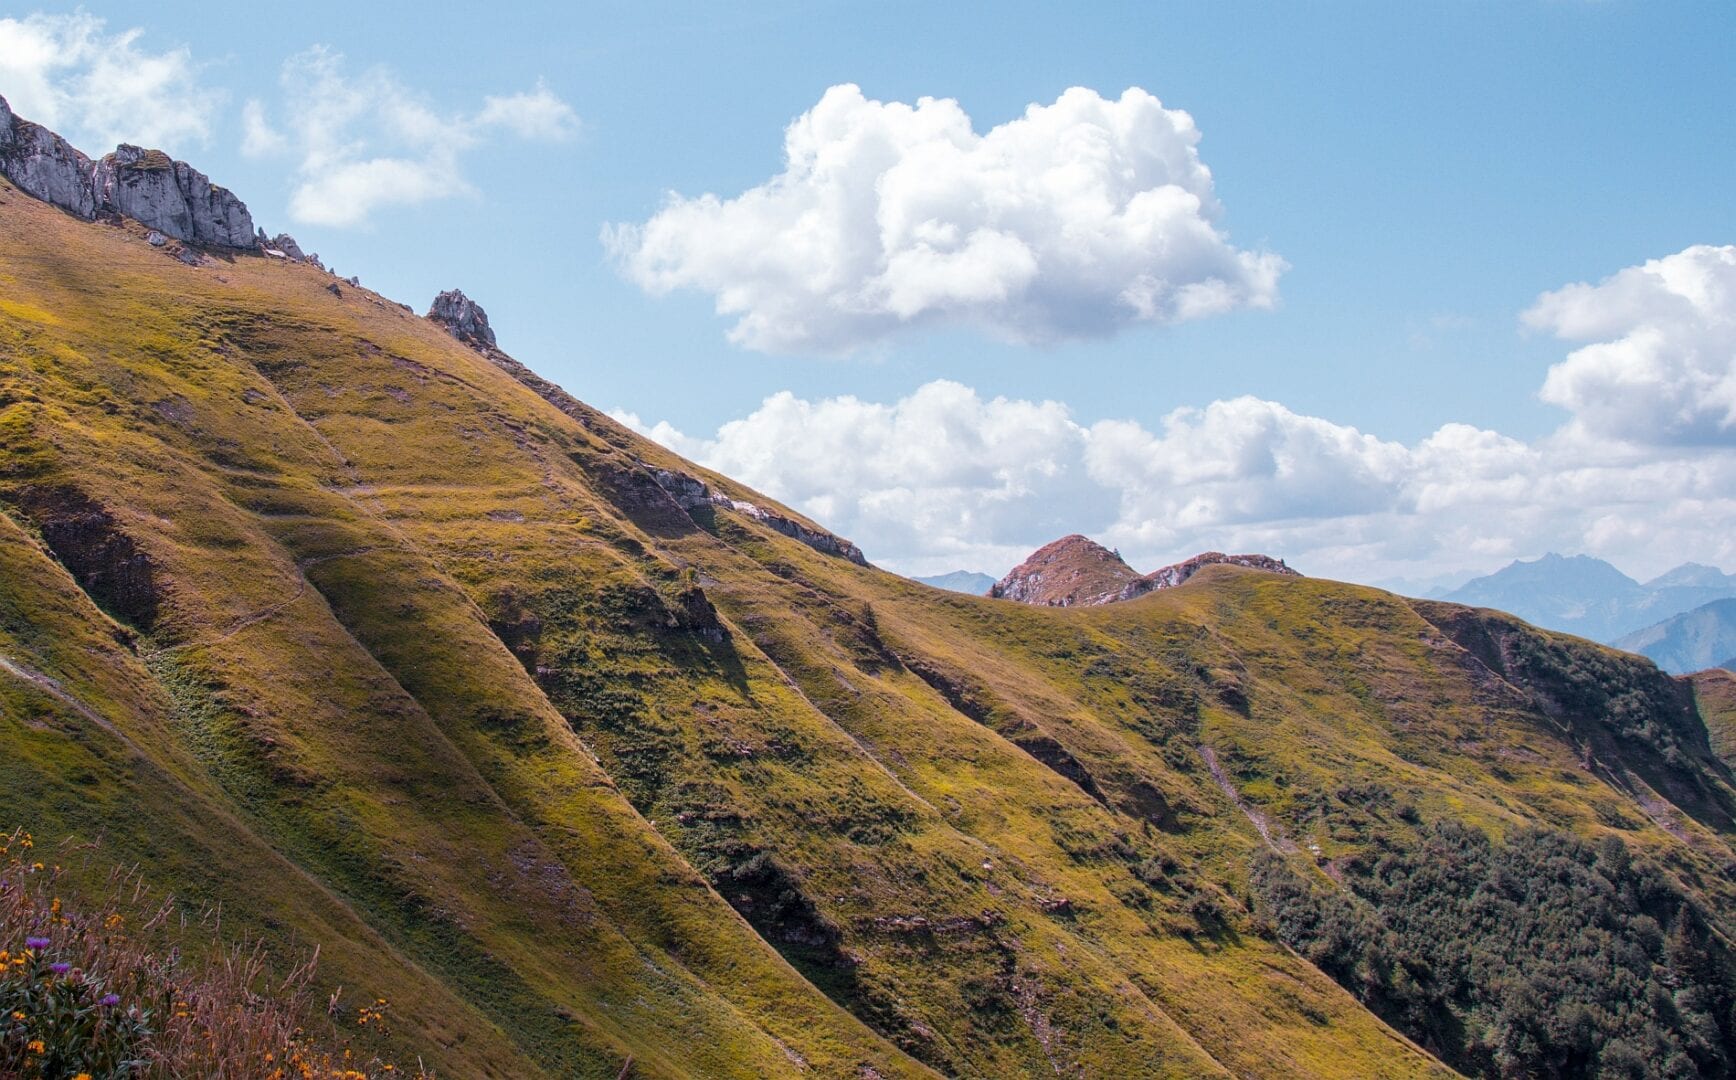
(463, 318)
(286, 244)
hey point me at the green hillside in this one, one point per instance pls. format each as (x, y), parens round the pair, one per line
(389, 647)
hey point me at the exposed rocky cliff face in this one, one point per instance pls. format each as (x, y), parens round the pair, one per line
(171, 197)
(692, 494)
(1171, 576)
(1076, 571)
(148, 186)
(463, 318)
(1072, 570)
(45, 165)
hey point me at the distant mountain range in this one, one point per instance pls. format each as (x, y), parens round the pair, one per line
(1692, 641)
(965, 581)
(1589, 597)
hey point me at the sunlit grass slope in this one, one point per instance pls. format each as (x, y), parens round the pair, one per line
(310, 609)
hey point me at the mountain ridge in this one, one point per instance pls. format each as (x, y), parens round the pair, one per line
(966, 581)
(599, 763)
(1587, 596)
(1701, 638)
(1078, 571)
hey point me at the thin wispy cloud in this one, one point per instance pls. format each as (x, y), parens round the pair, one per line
(1075, 220)
(100, 88)
(363, 142)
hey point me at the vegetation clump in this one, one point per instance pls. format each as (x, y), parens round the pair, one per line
(1541, 956)
(88, 993)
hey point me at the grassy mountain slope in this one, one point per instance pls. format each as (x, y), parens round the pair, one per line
(391, 647)
(1715, 694)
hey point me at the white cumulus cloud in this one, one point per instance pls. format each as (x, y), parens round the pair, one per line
(1660, 363)
(366, 141)
(69, 73)
(943, 479)
(941, 469)
(1072, 221)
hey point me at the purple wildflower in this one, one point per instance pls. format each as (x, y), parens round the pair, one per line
(60, 968)
(109, 1001)
(37, 943)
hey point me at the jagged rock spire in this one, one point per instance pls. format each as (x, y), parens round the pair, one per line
(463, 318)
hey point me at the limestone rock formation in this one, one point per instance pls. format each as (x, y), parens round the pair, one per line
(45, 165)
(286, 243)
(148, 186)
(171, 197)
(463, 318)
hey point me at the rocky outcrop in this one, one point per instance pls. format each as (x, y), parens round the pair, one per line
(463, 318)
(819, 540)
(1076, 571)
(95, 549)
(691, 493)
(286, 243)
(45, 165)
(171, 197)
(1072, 570)
(1171, 576)
(148, 186)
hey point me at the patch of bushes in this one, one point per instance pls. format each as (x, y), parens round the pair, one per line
(1543, 956)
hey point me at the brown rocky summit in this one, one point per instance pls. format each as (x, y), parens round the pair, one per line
(1073, 570)
(1077, 571)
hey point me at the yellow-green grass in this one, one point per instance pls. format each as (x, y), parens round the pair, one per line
(1715, 695)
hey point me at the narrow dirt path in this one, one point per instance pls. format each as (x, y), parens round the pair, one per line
(1273, 837)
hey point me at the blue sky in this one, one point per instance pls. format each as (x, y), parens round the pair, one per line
(1426, 172)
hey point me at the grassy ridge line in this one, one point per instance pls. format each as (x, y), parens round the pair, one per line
(394, 481)
(281, 715)
(1329, 719)
(1715, 698)
(485, 703)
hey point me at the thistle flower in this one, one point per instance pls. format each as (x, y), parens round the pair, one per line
(60, 968)
(109, 1001)
(37, 943)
